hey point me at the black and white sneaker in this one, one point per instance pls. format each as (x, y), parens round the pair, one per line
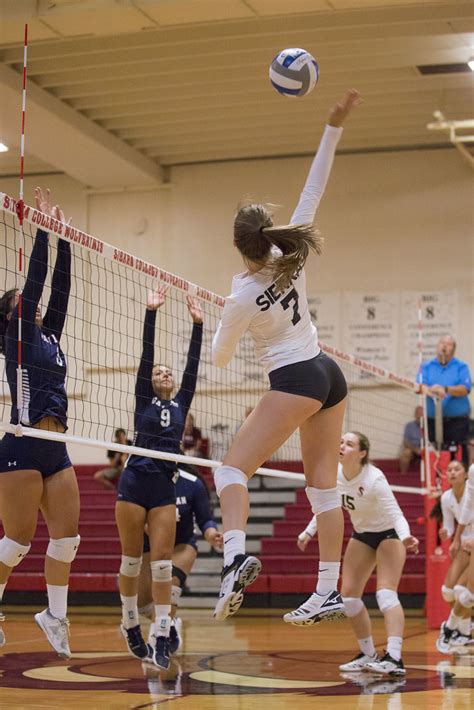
(359, 663)
(443, 642)
(135, 642)
(387, 666)
(161, 653)
(234, 578)
(316, 608)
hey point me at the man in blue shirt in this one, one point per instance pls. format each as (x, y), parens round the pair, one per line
(448, 379)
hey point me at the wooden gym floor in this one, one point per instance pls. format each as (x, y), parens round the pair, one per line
(252, 662)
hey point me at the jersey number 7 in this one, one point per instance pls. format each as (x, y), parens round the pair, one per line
(285, 302)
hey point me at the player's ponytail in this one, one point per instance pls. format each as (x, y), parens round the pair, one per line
(7, 304)
(364, 445)
(254, 236)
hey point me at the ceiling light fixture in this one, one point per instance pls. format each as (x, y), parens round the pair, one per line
(3, 148)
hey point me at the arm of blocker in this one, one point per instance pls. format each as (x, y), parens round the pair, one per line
(60, 287)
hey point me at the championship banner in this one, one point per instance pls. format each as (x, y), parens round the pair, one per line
(325, 311)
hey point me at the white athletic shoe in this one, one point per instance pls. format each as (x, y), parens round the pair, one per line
(234, 578)
(2, 635)
(359, 663)
(443, 642)
(459, 643)
(56, 631)
(387, 666)
(316, 608)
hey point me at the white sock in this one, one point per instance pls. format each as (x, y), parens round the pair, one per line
(2, 589)
(129, 611)
(327, 577)
(367, 646)
(234, 544)
(464, 626)
(162, 619)
(453, 620)
(394, 647)
(57, 600)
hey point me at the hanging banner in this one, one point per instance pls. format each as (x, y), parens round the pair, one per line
(370, 328)
(439, 316)
(325, 310)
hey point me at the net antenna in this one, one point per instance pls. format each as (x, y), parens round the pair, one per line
(21, 250)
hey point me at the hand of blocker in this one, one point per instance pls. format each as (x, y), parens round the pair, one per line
(338, 113)
(156, 297)
(43, 204)
(194, 308)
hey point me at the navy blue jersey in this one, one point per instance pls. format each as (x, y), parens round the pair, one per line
(43, 362)
(192, 506)
(159, 423)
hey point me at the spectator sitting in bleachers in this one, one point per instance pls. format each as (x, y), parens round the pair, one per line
(108, 477)
(411, 446)
(193, 444)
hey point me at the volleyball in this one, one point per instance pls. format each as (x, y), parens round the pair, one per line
(294, 72)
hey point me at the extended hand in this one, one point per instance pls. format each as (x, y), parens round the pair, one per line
(156, 297)
(412, 544)
(194, 308)
(338, 113)
(43, 204)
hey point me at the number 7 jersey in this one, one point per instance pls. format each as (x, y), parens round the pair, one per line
(278, 321)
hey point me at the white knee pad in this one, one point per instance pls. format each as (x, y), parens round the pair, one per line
(130, 566)
(63, 549)
(161, 570)
(448, 594)
(352, 606)
(466, 598)
(458, 589)
(11, 552)
(323, 499)
(228, 475)
(175, 595)
(386, 599)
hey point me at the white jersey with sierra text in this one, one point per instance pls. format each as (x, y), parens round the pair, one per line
(278, 321)
(370, 502)
(466, 514)
(451, 510)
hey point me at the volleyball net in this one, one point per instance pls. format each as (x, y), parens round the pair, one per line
(102, 342)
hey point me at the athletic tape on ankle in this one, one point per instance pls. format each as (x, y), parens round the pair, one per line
(11, 552)
(352, 606)
(448, 594)
(323, 499)
(63, 549)
(386, 599)
(227, 476)
(130, 566)
(161, 570)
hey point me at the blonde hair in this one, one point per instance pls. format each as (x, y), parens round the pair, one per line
(255, 234)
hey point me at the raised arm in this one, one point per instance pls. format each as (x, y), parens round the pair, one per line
(60, 288)
(143, 386)
(233, 324)
(321, 168)
(188, 383)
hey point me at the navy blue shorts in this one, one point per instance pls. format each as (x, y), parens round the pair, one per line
(373, 539)
(319, 378)
(148, 490)
(189, 541)
(23, 453)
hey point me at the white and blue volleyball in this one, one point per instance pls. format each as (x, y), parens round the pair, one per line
(294, 72)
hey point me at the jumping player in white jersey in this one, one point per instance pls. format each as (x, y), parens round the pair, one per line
(380, 539)
(307, 388)
(448, 640)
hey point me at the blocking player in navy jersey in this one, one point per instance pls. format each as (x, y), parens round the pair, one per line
(36, 474)
(192, 508)
(146, 491)
(380, 540)
(307, 388)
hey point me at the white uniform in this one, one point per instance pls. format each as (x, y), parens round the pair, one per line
(451, 510)
(371, 505)
(279, 322)
(466, 514)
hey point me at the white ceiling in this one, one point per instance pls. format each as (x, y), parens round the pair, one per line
(118, 88)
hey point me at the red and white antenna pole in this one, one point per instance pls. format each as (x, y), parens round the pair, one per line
(425, 461)
(21, 250)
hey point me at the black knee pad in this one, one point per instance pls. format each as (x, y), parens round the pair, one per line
(177, 572)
